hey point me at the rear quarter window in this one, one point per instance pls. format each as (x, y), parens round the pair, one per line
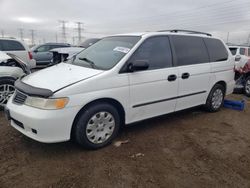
(10, 45)
(216, 49)
(242, 51)
(190, 50)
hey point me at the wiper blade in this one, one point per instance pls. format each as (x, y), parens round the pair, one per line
(88, 61)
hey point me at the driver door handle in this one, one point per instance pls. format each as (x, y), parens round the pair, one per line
(172, 77)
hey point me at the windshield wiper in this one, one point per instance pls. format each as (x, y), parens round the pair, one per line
(92, 64)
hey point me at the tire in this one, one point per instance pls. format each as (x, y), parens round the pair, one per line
(93, 131)
(247, 87)
(6, 84)
(217, 91)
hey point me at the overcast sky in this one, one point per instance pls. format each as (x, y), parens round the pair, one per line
(106, 17)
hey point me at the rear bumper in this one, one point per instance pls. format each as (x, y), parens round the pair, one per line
(47, 126)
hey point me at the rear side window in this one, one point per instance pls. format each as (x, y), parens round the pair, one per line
(156, 51)
(10, 45)
(242, 51)
(216, 50)
(190, 50)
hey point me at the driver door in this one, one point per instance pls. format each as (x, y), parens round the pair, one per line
(153, 91)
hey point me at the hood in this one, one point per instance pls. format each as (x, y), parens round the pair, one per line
(59, 76)
(4, 56)
(68, 50)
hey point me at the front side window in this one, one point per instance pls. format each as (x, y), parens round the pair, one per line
(156, 51)
(106, 53)
(216, 49)
(44, 48)
(11, 45)
(190, 50)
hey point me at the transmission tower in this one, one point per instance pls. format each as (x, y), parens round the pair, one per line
(2, 33)
(21, 33)
(79, 31)
(63, 30)
(32, 32)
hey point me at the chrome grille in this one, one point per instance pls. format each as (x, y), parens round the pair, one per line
(19, 97)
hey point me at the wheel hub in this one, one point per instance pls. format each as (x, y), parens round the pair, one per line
(217, 98)
(6, 90)
(100, 127)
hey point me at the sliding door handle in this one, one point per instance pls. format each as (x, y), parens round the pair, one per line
(185, 75)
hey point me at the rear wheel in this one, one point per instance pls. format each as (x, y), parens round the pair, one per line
(216, 98)
(7, 89)
(97, 126)
(247, 86)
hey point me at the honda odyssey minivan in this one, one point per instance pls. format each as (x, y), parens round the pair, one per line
(120, 80)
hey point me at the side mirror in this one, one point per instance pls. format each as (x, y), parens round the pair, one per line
(237, 57)
(35, 51)
(138, 65)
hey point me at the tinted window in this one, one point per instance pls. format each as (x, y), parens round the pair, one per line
(156, 51)
(248, 51)
(242, 51)
(190, 50)
(10, 45)
(233, 51)
(216, 50)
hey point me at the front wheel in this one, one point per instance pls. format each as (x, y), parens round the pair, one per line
(216, 98)
(6, 90)
(97, 126)
(247, 86)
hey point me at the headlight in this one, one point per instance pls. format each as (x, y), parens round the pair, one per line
(47, 104)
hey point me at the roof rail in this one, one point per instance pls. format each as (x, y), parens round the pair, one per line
(7, 37)
(186, 31)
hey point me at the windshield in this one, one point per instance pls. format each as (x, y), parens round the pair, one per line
(106, 53)
(233, 50)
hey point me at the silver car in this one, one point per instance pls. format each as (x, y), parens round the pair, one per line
(11, 68)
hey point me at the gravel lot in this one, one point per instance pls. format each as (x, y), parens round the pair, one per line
(192, 148)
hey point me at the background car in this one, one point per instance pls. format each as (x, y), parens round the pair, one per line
(241, 55)
(11, 68)
(61, 54)
(18, 48)
(42, 54)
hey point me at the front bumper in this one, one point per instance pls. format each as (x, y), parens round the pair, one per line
(47, 126)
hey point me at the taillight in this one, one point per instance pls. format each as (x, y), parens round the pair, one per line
(30, 55)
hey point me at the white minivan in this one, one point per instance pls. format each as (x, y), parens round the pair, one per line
(120, 80)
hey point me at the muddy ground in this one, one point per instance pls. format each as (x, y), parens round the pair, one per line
(192, 148)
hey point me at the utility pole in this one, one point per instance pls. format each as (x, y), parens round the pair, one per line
(32, 32)
(227, 37)
(248, 40)
(21, 33)
(2, 33)
(56, 38)
(63, 30)
(79, 31)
